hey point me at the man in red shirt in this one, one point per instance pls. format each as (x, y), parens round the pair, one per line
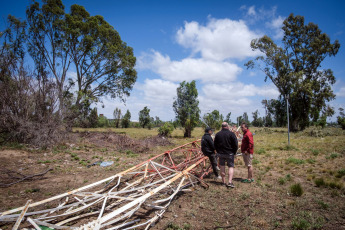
(247, 149)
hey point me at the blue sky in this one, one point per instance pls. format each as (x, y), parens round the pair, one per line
(206, 41)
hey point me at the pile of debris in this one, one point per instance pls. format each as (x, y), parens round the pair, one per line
(121, 141)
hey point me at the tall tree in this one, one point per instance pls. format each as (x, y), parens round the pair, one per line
(341, 118)
(227, 118)
(186, 107)
(117, 117)
(104, 64)
(294, 68)
(93, 118)
(144, 117)
(257, 121)
(126, 119)
(213, 120)
(245, 118)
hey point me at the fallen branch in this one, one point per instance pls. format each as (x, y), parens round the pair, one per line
(20, 179)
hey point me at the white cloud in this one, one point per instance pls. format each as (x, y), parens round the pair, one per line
(219, 39)
(276, 25)
(341, 92)
(251, 11)
(189, 68)
(159, 91)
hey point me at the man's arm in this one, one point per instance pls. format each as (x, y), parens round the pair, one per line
(211, 143)
(235, 142)
(250, 144)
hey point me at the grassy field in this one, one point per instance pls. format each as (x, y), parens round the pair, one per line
(300, 186)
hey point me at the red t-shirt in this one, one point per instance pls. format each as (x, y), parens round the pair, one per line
(247, 142)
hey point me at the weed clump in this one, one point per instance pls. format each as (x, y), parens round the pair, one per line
(261, 151)
(294, 161)
(319, 182)
(305, 220)
(340, 173)
(296, 190)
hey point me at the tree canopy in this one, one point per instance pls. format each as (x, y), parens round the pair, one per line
(144, 117)
(295, 70)
(186, 107)
(213, 120)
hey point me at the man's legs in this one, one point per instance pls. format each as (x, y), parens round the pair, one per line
(231, 173)
(213, 162)
(250, 172)
(222, 173)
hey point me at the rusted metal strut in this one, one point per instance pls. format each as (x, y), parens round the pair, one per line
(134, 198)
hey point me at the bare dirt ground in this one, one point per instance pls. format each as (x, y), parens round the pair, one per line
(265, 204)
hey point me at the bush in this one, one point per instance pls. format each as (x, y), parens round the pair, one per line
(166, 129)
(319, 182)
(296, 190)
(103, 122)
(294, 161)
(340, 173)
(261, 151)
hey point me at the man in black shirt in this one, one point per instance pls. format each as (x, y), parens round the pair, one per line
(226, 145)
(207, 148)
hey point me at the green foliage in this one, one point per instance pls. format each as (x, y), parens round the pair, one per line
(294, 161)
(281, 180)
(261, 151)
(186, 107)
(166, 129)
(117, 117)
(294, 69)
(323, 205)
(57, 40)
(93, 118)
(319, 182)
(144, 117)
(227, 118)
(306, 221)
(340, 173)
(103, 122)
(213, 120)
(126, 120)
(257, 121)
(131, 154)
(341, 118)
(296, 189)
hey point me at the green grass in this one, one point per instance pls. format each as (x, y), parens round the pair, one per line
(340, 173)
(292, 160)
(261, 151)
(319, 182)
(296, 189)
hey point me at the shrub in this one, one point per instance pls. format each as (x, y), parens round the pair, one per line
(294, 161)
(340, 173)
(296, 190)
(334, 184)
(261, 151)
(281, 180)
(319, 182)
(315, 152)
(166, 129)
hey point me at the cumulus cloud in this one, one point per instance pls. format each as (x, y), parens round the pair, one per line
(159, 91)
(341, 92)
(219, 39)
(276, 25)
(189, 68)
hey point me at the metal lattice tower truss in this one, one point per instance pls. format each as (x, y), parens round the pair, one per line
(134, 198)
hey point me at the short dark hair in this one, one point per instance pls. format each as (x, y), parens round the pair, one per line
(245, 125)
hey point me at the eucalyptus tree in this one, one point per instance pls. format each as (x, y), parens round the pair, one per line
(294, 68)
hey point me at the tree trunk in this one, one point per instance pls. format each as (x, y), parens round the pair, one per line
(294, 125)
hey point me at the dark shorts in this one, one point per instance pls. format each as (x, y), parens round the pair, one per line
(229, 159)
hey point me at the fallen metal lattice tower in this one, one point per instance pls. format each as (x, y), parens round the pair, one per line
(134, 198)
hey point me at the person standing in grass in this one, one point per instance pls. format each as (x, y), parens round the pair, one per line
(207, 148)
(226, 145)
(247, 149)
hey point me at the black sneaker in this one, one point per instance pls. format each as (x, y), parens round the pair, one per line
(230, 185)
